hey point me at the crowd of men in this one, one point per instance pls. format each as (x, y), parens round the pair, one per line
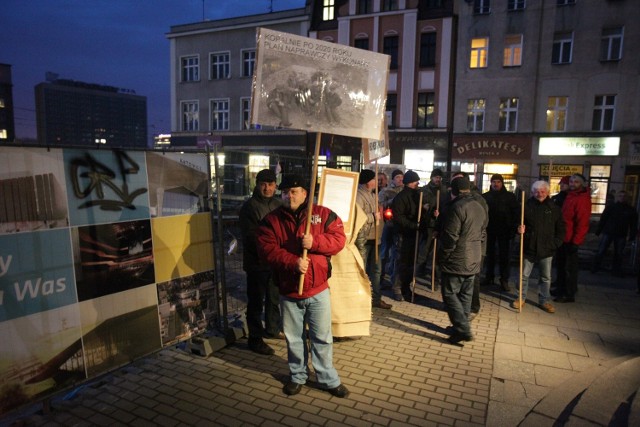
(455, 228)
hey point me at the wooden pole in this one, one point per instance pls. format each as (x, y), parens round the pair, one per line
(415, 250)
(377, 223)
(435, 248)
(310, 196)
(521, 248)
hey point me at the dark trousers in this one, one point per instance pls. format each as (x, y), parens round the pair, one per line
(502, 256)
(567, 266)
(404, 264)
(262, 293)
(618, 249)
(475, 300)
(457, 293)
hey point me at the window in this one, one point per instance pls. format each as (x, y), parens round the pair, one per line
(512, 50)
(328, 8)
(475, 115)
(361, 44)
(432, 4)
(428, 49)
(220, 66)
(392, 105)
(557, 113)
(390, 47)
(599, 181)
(479, 52)
(561, 53)
(248, 62)
(245, 107)
(508, 117)
(389, 5)
(611, 44)
(565, 2)
(481, 7)
(604, 108)
(365, 6)
(426, 110)
(3, 134)
(516, 4)
(220, 114)
(190, 69)
(190, 115)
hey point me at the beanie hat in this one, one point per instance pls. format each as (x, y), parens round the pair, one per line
(579, 175)
(436, 172)
(366, 175)
(266, 175)
(396, 173)
(565, 180)
(291, 181)
(460, 183)
(410, 176)
(496, 177)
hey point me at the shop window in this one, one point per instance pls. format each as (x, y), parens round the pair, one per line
(420, 161)
(344, 163)
(599, 183)
(508, 171)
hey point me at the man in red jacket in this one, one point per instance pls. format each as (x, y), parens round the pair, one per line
(576, 213)
(281, 239)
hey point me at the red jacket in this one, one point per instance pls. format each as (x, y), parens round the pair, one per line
(279, 243)
(576, 212)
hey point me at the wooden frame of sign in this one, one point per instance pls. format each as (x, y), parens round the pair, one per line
(338, 189)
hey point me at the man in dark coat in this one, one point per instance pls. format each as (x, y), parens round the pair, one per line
(261, 289)
(460, 255)
(428, 218)
(543, 231)
(405, 223)
(503, 220)
(617, 223)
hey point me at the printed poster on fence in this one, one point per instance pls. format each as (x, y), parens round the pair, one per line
(318, 86)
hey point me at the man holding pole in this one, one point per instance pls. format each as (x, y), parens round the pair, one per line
(542, 234)
(433, 196)
(282, 241)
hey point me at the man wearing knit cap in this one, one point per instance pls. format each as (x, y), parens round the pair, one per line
(460, 255)
(261, 290)
(388, 247)
(428, 218)
(503, 222)
(405, 221)
(366, 238)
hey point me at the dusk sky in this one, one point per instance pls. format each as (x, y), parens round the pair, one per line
(119, 43)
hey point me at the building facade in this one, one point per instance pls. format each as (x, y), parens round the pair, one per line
(7, 121)
(548, 88)
(85, 114)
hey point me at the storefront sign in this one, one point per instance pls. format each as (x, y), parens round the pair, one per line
(569, 146)
(483, 146)
(560, 170)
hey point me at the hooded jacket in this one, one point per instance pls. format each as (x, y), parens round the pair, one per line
(279, 243)
(576, 212)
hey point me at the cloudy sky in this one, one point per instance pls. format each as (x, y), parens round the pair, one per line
(118, 43)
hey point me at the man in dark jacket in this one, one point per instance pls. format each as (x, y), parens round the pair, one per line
(617, 223)
(428, 219)
(543, 231)
(261, 290)
(405, 222)
(503, 220)
(460, 255)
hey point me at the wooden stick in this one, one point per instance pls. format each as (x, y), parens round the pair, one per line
(415, 250)
(521, 249)
(377, 222)
(312, 190)
(435, 248)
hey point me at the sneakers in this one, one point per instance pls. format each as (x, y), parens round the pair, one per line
(261, 347)
(292, 388)
(548, 308)
(517, 305)
(340, 391)
(381, 304)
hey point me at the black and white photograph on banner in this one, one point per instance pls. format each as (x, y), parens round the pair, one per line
(318, 86)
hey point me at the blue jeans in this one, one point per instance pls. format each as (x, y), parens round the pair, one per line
(544, 267)
(388, 250)
(457, 292)
(372, 267)
(316, 313)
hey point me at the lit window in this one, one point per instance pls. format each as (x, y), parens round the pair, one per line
(190, 115)
(190, 69)
(343, 162)
(508, 119)
(557, 113)
(220, 114)
(479, 52)
(562, 44)
(248, 62)
(220, 68)
(512, 50)
(611, 44)
(475, 115)
(603, 112)
(3, 134)
(328, 7)
(426, 110)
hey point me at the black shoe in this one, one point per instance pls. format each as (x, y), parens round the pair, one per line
(340, 391)
(292, 388)
(456, 338)
(554, 292)
(565, 299)
(261, 347)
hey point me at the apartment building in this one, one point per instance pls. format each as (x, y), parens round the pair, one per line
(7, 123)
